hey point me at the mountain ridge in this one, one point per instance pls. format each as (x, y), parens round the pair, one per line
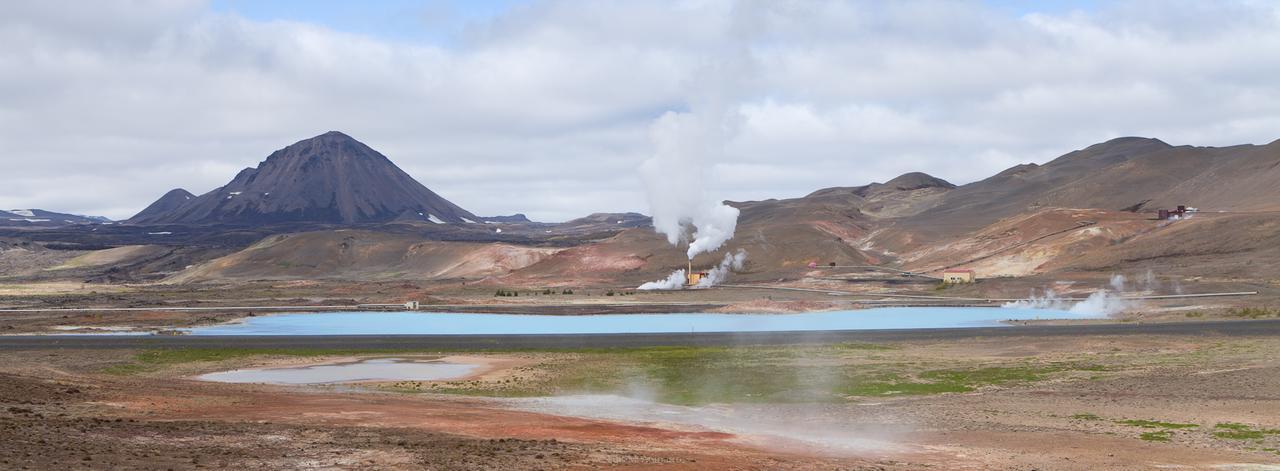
(44, 218)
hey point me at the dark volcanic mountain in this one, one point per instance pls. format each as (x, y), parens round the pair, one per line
(172, 200)
(330, 178)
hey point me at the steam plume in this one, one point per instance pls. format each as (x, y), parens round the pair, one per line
(1117, 282)
(685, 144)
(675, 281)
(1102, 302)
(732, 262)
(1149, 281)
(675, 177)
(1099, 303)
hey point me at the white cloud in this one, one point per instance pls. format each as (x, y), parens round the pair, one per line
(545, 109)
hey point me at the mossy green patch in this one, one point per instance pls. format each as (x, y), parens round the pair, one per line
(1235, 431)
(959, 380)
(152, 360)
(1161, 436)
(1241, 434)
(905, 389)
(689, 375)
(990, 375)
(1155, 424)
(683, 375)
(1232, 426)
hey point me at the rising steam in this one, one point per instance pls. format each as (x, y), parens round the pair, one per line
(675, 281)
(676, 174)
(1099, 303)
(732, 262)
(790, 427)
(1102, 302)
(685, 145)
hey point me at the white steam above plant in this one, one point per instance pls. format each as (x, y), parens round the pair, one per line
(675, 177)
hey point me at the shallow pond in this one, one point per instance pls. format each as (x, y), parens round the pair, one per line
(410, 323)
(376, 369)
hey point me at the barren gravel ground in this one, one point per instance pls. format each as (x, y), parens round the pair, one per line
(1139, 402)
(57, 410)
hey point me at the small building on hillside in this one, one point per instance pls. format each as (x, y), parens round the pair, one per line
(958, 275)
(1181, 212)
(692, 278)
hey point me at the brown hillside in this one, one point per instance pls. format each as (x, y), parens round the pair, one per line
(363, 255)
(1212, 245)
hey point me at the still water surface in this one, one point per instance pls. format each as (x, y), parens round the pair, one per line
(419, 323)
(376, 369)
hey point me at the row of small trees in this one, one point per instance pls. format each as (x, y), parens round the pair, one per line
(507, 293)
(546, 292)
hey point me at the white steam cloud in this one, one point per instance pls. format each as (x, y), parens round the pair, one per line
(1102, 302)
(791, 427)
(675, 281)
(675, 176)
(686, 144)
(732, 262)
(1099, 303)
(1117, 282)
(1150, 281)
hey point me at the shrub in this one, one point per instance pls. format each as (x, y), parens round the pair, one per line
(1253, 312)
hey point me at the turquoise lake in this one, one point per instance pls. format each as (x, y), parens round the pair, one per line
(422, 323)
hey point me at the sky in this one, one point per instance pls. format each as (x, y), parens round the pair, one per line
(548, 107)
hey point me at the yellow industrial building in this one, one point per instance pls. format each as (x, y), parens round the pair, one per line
(958, 275)
(691, 278)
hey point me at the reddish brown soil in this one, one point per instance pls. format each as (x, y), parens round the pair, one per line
(107, 423)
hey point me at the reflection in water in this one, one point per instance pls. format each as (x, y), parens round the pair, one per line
(377, 369)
